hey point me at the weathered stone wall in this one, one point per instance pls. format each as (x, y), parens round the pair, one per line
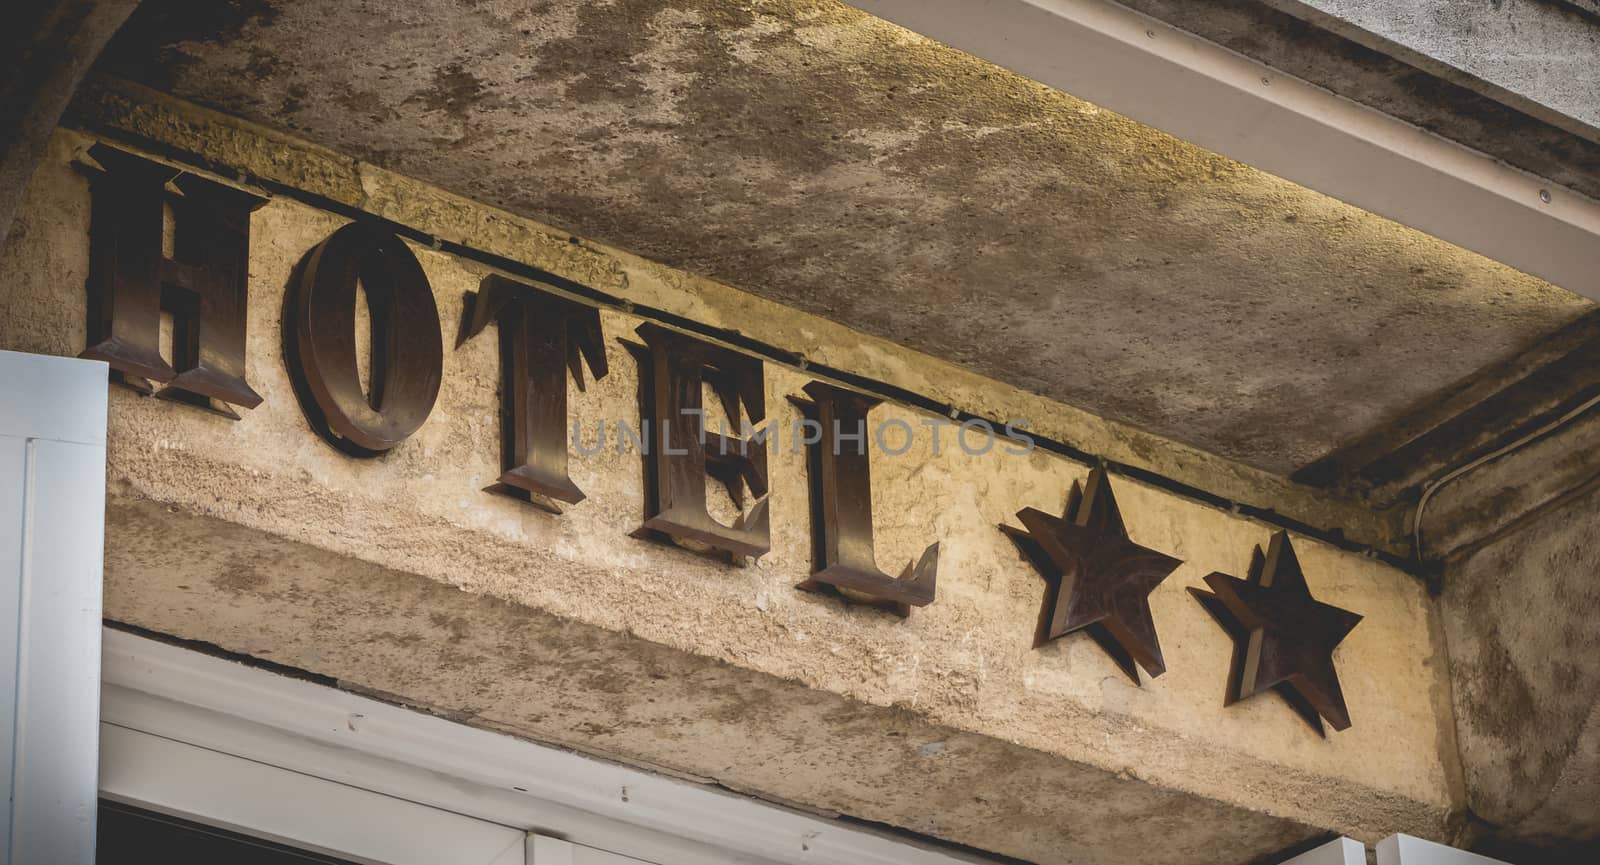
(1536, 52)
(401, 576)
(47, 48)
(1522, 616)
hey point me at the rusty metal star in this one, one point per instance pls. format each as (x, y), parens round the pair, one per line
(1283, 639)
(1097, 579)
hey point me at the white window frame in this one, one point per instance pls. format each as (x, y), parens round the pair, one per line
(543, 850)
(1340, 851)
(1406, 850)
(52, 532)
(1393, 850)
(293, 808)
(331, 762)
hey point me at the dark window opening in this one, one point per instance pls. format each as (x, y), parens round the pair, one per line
(133, 836)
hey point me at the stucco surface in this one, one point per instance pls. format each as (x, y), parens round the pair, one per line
(1540, 51)
(48, 48)
(270, 497)
(1319, 41)
(810, 154)
(1521, 617)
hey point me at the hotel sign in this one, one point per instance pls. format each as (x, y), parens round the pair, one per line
(1096, 578)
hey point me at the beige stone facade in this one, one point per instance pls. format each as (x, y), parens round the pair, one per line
(401, 576)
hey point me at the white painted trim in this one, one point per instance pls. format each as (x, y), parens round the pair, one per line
(1340, 851)
(310, 728)
(52, 533)
(543, 850)
(1406, 850)
(300, 810)
(1194, 89)
(57, 398)
(551, 851)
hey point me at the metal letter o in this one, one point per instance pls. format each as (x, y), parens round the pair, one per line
(320, 340)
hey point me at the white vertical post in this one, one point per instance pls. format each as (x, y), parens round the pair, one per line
(1406, 850)
(544, 850)
(52, 535)
(1341, 851)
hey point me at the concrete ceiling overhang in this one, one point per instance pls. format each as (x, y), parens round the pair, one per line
(817, 156)
(1515, 80)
